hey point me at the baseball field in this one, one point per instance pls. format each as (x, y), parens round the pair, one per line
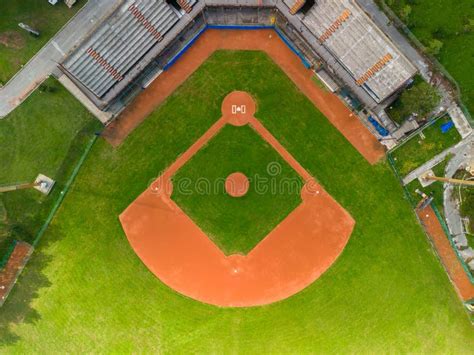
(85, 289)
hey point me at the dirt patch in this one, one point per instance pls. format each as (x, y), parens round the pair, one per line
(12, 39)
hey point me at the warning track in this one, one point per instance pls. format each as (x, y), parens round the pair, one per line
(265, 40)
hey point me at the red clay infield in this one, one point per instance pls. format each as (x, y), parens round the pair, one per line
(290, 258)
(265, 40)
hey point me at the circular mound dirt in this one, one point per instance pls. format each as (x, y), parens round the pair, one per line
(237, 184)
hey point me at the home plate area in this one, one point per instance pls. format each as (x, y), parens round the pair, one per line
(294, 254)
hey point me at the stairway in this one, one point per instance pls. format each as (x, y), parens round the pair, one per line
(297, 6)
(185, 5)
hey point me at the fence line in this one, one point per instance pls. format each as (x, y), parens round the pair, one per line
(64, 192)
(400, 180)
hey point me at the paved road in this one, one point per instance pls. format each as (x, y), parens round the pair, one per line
(451, 210)
(44, 62)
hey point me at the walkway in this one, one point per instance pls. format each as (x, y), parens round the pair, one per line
(46, 60)
(451, 209)
(434, 161)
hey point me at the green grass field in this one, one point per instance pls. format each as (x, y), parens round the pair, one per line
(16, 45)
(85, 290)
(236, 225)
(419, 150)
(452, 23)
(47, 135)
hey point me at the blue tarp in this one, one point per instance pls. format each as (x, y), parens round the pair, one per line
(447, 126)
(382, 130)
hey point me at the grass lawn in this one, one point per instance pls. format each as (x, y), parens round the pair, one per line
(236, 225)
(446, 21)
(418, 150)
(85, 289)
(47, 135)
(16, 45)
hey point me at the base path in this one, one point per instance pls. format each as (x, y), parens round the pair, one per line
(290, 258)
(265, 40)
(456, 272)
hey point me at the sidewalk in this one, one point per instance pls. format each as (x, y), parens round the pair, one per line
(46, 60)
(435, 161)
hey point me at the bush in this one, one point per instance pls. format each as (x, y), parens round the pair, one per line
(434, 47)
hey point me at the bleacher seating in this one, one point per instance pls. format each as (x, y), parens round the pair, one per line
(295, 5)
(105, 58)
(366, 53)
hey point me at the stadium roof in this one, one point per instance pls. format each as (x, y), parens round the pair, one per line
(360, 46)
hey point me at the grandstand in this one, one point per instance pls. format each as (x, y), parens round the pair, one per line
(360, 46)
(119, 44)
(140, 38)
(294, 5)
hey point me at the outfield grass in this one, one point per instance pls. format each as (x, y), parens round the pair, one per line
(236, 225)
(85, 289)
(446, 21)
(47, 135)
(419, 150)
(16, 45)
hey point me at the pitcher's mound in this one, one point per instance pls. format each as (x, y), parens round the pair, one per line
(237, 184)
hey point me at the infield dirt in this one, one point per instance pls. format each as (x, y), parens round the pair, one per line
(291, 257)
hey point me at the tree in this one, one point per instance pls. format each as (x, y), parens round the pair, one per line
(405, 13)
(468, 25)
(419, 100)
(434, 46)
